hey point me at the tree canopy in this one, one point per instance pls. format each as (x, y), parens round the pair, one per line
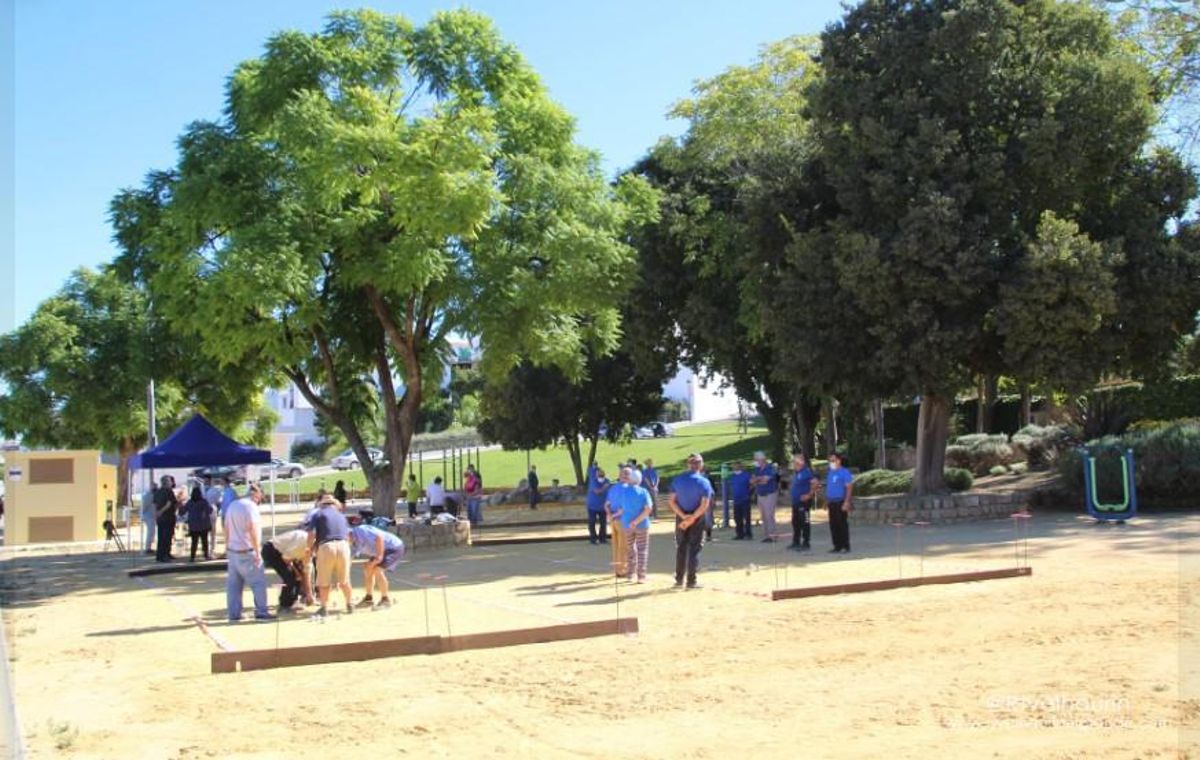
(371, 189)
(997, 207)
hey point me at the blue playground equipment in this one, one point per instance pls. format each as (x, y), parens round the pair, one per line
(1119, 511)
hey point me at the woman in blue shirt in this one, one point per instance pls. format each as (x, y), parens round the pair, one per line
(802, 494)
(838, 492)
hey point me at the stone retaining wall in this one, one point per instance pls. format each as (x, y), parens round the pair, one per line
(419, 536)
(959, 507)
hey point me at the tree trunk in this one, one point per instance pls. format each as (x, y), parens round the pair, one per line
(777, 428)
(123, 498)
(989, 387)
(1026, 406)
(933, 428)
(805, 416)
(831, 430)
(980, 406)
(576, 458)
(595, 441)
(880, 439)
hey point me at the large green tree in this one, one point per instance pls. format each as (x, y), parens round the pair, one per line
(729, 207)
(76, 374)
(372, 189)
(997, 208)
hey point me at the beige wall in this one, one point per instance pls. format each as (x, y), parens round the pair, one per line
(41, 512)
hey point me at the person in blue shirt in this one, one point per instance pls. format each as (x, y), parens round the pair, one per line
(801, 492)
(597, 491)
(650, 483)
(766, 486)
(839, 489)
(632, 506)
(384, 551)
(739, 494)
(691, 498)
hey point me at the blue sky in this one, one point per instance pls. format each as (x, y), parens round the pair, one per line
(101, 90)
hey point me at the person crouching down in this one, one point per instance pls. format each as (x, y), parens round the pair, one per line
(288, 555)
(384, 551)
(329, 535)
(634, 507)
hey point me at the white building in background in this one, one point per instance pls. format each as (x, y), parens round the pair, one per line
(297, 420)
(707, 398)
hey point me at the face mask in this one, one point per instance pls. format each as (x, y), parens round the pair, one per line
(835, 465)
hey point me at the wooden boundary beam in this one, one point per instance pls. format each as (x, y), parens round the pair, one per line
(490, 526)
(262, 659)
(928, 580)
(189, 567)
(526, 540)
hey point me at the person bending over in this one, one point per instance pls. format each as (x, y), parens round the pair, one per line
(384, 551)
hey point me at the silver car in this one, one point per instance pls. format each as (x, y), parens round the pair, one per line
(348, 460)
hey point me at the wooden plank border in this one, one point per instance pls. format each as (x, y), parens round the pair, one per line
(928, 580)
(262, 659)
(526, 540)
(211, 566)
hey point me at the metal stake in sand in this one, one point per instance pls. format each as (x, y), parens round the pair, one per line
(1021, 538)
(424, 578)
(899, 526)
(778, 555)
(923, 526)
(445, 603)
(617, 588)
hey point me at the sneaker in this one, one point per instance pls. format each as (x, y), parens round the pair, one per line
(384, 603)
(805, 547)
(641, 580)
(235, 619)
(694, 585)
(321, 613)
(266, 618)
(366, 602)
(835, 550)
(678, 583)
(592, 541)
(350, 610)
(793, 545)
(768, 540)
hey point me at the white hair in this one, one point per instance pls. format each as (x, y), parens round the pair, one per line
(635, 477)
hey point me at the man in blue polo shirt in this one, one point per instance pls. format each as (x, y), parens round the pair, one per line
(802, 493)
(739, 493)
(597, 494)
(839, 490)
(766, 485)
(691, 497)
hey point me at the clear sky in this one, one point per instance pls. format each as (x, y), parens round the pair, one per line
(101, 90)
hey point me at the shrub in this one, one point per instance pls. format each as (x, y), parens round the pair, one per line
(1166, 465)
(998, 470)
(1040, 446)
(979, 453)
(882, 482)
(310, 452)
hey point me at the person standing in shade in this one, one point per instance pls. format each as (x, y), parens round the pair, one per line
(212, 495)
(411, 494)
(339, 493)
(384, 551)
(839, 490)
(801, 491)
(739, 494)
(632, 510)
(650, 482)
(766, 486)
(198, 513)
(597, 491)
(691, 498)
(166, 510)
(149, 520)
(329, 538)
(533, 483)
(243, 544)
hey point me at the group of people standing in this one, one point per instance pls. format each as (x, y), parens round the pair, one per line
(163, 508)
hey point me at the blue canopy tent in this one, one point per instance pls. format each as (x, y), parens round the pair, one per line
(198, 443)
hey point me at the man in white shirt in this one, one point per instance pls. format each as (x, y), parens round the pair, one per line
(243, 540)
(288, 555)
(436, 496)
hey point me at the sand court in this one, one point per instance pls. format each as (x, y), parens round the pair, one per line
(1085, 658)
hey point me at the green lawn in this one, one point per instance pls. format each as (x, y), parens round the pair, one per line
(717, 441)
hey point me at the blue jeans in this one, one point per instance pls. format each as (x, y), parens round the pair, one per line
(475, 510)
(242, 571)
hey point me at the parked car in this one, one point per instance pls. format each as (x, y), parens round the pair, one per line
(644, 432)
(234, 472)
(661, 429)
(282, 468)
(348, 460)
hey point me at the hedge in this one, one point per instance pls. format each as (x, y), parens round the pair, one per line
(1166, 466)
(882, 482)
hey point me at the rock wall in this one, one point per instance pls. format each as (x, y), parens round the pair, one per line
(876, 510)
(419, 536)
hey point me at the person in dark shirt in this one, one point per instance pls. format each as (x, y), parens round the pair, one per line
(801, 492)
(739, 494)
(328, 536)
(166, 509)
(198, 513)
(533, 486)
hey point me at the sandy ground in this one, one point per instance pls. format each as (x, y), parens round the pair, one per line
(1096, 655)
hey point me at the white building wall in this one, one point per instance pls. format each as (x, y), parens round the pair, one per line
(707, 399)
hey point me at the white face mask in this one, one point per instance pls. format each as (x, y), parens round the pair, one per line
(835, 465)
